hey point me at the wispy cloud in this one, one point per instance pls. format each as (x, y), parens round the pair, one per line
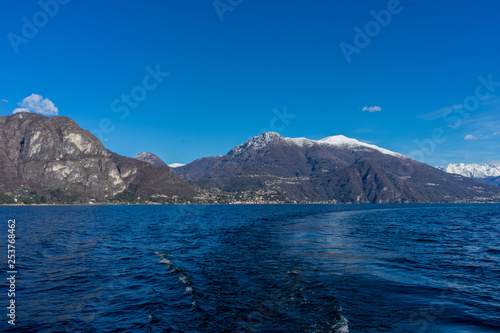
(3, 101)
(470, 137)
(372, 108)
(440, 112)
(37, 104)
(487, 102)
(486, 122)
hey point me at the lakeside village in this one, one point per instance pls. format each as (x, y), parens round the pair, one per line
(23, 196)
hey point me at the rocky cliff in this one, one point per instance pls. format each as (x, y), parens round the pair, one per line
(54, 156)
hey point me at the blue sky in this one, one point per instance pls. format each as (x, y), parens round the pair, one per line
(432, 68)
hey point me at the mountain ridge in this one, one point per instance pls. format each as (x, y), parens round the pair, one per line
(336, 140)
(53, 160)
(487, 173)
(333, 169)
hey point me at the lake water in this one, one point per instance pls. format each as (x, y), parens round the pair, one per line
(256, 268)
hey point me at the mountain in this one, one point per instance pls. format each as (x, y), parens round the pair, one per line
(486, 173)
(150, 158)
(333, 169)
(197, 169)
(55, 159)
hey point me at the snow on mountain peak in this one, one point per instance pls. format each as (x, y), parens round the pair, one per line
(269, 136)
(258, 142)
(343, 141)
(176, 165)
(264, 139)
(476, 171)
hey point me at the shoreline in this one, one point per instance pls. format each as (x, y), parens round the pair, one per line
(246, 204)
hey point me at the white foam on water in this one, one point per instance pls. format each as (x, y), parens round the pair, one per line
(164, 255)
(341, 326)
(173, 269)
(165, 261)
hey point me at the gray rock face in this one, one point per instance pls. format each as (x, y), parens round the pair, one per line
(55, 153)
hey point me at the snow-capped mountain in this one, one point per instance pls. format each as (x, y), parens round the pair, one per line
(485, 173)
(341, 141)
(176, 165)
(476, 171)
(335, 168)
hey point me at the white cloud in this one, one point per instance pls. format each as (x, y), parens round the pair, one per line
(470, 137)
(3, 101)
(19, 110)
(372, 108)
(37, 104)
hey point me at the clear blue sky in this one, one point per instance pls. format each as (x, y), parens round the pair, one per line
(227, 76)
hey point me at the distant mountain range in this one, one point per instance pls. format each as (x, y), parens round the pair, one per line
(53, 160)
(333, 169)
(486, 173)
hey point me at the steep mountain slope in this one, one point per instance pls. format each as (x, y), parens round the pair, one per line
(150, 158)
(336, 169)
(47, 154)
(486, 173)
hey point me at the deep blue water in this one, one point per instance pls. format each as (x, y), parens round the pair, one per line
(256, 268)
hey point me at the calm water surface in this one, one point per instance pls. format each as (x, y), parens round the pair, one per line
(263, 268)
